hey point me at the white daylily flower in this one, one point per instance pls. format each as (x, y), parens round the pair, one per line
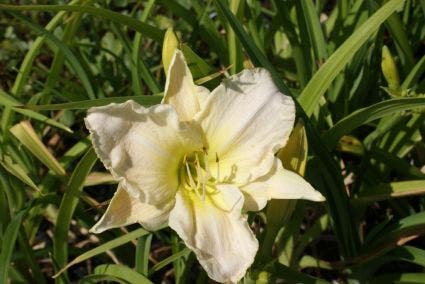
(197, 160)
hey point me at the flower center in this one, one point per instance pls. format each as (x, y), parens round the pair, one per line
(195, 174)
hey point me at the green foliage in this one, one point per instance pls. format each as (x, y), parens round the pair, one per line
(355, 68)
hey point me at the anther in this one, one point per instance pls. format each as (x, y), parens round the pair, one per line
(217, 160)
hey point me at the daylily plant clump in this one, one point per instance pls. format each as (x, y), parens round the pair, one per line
(198, 161)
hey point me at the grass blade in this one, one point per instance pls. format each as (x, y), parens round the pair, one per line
(121, 272)
(26, 135)
(67, 207)
(139, 68)
(410, 254)
(96, 178)
(314, 29)
(183, 253)
(142, 254)
(364, 115)
(69, 55)
(410, 278)
(323, 78)
(104, 247)
(11, 102)
(8, 244)
(392, 190)
(143, 100)
(395, 27)
(415, 74)
(143, 28)
(294, 276)
(411, 226)
(17, 170)
(25, 68)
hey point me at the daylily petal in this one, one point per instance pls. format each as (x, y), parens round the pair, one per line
(143, 147)
(226, 197)
(222, 240)
(254, 201)
(278, 184)
(125, 210)
(180, 90)
(246, 121)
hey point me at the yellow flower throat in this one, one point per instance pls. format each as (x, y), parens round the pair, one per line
(195, 174)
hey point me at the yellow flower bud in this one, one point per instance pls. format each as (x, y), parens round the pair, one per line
(171, 42)
(389, 69)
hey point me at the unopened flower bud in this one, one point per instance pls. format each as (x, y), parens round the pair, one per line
(171, 42)
(389, 69)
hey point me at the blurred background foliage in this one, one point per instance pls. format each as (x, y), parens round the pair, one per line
(355, 67)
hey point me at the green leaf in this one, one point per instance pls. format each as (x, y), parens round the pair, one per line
(294, 276)
(396, 163)
(17, 170)
(121, 272)
(143, 28)
(414, 75)
(54, 74)
(139, 68)
(398, 33)
(143, 100)
(255, 54)
(311, 234)
(24, 132)
(350, 144)
(310, 261)
(94, 278)
(314, 29)
(8, 244)
(198, 18)
(370, 113)
(408, 253)
(399, 278)
(74, 152)
(198, 67)
(104, 247)
(142, 254)
(208, 78)
(323, 78)
(183, 253)
(96, 178)
(69, 55)
(302, 60)
(234, 47)
(25, 68)
(9, 101)
(392, 190)
(403, 229)
(68, 205)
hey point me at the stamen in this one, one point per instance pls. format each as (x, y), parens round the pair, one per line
(207, 165)
(201, 178)
(217, 160)
(191, 181)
